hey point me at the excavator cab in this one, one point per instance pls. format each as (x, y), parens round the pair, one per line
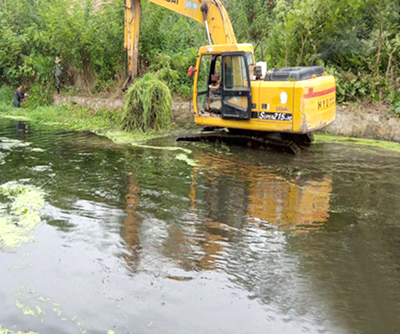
(223, 86)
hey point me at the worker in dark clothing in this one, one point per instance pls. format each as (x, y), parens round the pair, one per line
(58, 74)
(18, 96)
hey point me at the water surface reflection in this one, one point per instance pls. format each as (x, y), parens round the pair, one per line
(135, 240)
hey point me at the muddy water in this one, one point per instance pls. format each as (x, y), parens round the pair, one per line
(101, 238)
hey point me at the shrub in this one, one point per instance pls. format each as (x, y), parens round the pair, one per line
(40, 95)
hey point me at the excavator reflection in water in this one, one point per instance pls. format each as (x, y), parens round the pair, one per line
(299, 204)
(133, 222)
(228, 201)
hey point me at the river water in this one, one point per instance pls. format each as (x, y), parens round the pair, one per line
(102, 238)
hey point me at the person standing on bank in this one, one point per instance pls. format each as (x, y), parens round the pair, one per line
(18, 96)
(58, 74)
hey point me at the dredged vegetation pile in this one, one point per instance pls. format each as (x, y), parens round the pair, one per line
(148, 105)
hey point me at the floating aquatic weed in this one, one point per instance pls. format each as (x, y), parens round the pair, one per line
(20, 216)
(37, 311)
(185, 158)
(26, 309)
(148, 105)
(126, 138)
(7, 331)
(380, 144)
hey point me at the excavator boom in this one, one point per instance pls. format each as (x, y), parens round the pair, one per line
(210, 13)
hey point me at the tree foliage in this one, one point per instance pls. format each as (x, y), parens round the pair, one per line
(358, 41)
(33, 33)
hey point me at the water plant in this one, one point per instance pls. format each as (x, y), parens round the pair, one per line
(20, 213)
(147, 105)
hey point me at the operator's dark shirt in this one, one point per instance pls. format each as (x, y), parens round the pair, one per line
(18, 96)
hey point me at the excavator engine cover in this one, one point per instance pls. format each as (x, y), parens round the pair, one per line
(294, 73)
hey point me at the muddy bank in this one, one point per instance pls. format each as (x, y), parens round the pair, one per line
(371, 125)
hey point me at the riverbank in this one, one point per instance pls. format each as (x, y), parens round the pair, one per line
(103, 116)
(365, 122)
(100, 116)
(369, 122)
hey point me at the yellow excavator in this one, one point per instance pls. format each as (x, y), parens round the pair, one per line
(280, 107)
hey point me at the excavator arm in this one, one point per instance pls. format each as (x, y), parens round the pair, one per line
(210, 13)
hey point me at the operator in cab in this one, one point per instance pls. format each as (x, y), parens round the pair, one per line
(214, 94)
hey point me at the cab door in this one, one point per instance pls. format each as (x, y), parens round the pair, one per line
(235, 86)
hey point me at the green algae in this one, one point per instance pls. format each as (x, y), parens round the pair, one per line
(57, 310)
(134, 139)
(29, 265)
(137, 139)
(7, 331)
(38, 311)
(123, 137)
(21, 214)
(35, 311)
(380, 144)
(185, 158)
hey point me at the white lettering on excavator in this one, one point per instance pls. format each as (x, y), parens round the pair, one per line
(191, 4)
(275, 116)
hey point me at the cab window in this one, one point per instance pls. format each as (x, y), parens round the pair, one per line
(235, 74)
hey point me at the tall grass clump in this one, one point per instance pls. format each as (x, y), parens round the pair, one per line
(147, 105)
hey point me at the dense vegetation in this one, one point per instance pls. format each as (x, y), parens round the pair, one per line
(356, 40)
(88, 41)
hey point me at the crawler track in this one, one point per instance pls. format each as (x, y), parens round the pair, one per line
(253, 141)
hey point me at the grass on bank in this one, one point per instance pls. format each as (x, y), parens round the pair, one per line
(154, 104)
(65, 117)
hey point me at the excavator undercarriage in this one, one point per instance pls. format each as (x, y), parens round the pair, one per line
(265, 141)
